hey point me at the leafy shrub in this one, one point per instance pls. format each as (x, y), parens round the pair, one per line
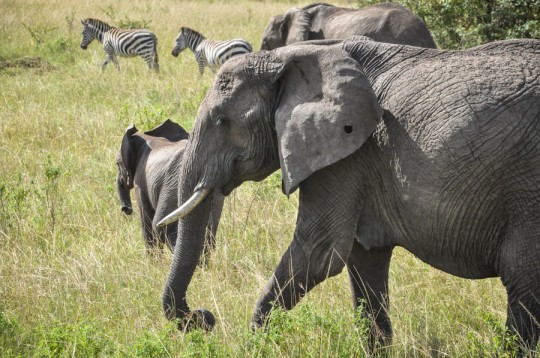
(503, 344)
(152, 346)
(13, 203)
(49, 42)
(12, 341)
(78, 340)
(466, 23)
(125, 22)
(298, 333)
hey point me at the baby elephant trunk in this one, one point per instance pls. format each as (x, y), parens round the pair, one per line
(123, 194)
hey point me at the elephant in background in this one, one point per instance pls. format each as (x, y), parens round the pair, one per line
(385, 22)
(150, 162)
(389, 145)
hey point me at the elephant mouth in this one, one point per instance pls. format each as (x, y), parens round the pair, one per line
(230, 186)
(127, 210)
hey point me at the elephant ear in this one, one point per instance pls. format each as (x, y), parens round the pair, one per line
(127, 154)
(297, 25)
(169, 130)
(326, 109)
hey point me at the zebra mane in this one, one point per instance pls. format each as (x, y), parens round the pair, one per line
(95, 23)
(189, 32)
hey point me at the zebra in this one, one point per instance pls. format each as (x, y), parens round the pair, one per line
(211, 53)
(121, 42)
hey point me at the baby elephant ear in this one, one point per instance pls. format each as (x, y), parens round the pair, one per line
(327, 110)
(169, 130)
(127, 154)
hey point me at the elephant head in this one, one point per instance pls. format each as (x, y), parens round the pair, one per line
(299, 108)
(131, 149)
(285, 29)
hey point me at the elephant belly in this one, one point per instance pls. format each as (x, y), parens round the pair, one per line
(460, 239)
(470, 265)
(457, 236)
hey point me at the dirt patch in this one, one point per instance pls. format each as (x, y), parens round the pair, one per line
(27, 63)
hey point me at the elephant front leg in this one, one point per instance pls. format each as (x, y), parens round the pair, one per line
(321, 245)
(147, 213)
(297, 273)
(368, 275)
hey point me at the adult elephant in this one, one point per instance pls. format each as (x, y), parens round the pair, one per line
(150, 163)
(384, 22)
(390, 145)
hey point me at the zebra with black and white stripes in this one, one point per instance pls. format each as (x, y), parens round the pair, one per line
(211, 53)
(121, 42)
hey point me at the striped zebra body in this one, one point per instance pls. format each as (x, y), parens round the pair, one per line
(209, 53)
(121, 42)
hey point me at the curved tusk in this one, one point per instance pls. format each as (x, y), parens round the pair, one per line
(186, 208)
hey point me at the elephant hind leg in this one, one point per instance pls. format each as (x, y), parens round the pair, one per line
(523, 312)
(520, 274)
(524, 319)
(368, 275)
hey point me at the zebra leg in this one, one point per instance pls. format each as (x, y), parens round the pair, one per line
(115, 61)
(156, 63)
(153, 63)
(107, 59)
(201, 69)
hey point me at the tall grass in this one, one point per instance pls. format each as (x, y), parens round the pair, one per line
(74, 278)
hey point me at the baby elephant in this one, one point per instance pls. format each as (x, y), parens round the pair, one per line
(150, 162)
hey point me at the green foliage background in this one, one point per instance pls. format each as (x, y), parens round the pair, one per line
(457, 24)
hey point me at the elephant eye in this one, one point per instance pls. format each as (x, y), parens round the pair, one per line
(222, 121)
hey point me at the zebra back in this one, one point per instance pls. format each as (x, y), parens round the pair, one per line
(217, 52)
(211, 53)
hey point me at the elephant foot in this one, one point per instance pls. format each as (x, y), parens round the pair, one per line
(260, 317)
(256, 325)
(197, 319)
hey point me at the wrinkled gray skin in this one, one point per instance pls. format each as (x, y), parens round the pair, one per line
(150, 162)
(434, 151)
(386, 22)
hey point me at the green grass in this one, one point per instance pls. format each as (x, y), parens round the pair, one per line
(74, 278)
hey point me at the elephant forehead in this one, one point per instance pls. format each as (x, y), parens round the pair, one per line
(224, 84)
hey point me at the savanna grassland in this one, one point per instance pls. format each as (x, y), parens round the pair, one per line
(74, 276)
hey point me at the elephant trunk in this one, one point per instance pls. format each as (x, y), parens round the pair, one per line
(123, 194)
(188, 249)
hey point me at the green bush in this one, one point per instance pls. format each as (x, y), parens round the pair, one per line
(459, 24)
(79, 340)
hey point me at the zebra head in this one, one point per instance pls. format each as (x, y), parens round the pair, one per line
(181, 43)
(93, 29)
